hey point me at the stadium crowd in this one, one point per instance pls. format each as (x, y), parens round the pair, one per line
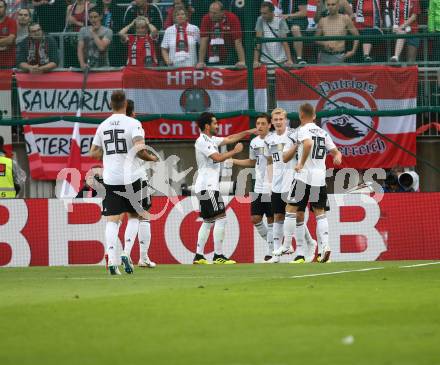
(197, 33)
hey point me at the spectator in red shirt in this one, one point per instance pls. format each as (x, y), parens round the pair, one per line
(8, 32)
(368, 20)
(169, 21)
(405, 13)
(220, 33)
(142, 44)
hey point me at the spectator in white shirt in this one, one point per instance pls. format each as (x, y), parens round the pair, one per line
(179, 44)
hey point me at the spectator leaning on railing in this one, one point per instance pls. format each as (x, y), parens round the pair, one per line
(23, 21)
(335, 24)
(220, 33)
(38, 53)
(405, 13)
(270, 26)
(93, 42)
(8, 32)
(141, 45)
(179, 44)
(143, 8)
(368, 20)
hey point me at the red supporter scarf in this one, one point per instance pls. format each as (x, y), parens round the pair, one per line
(406, 7)
(182, 38)
(150, 52)
(377, 18)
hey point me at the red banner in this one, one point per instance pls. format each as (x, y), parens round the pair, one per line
(41, 232)
(360, 88)
(173, 129)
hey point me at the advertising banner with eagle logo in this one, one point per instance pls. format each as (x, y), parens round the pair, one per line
(188, 90)
(363, 88)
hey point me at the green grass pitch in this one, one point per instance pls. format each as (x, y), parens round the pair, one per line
(234, 315)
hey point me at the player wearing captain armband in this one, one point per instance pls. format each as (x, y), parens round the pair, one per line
(117, 139)
(309, 185)
(207, 186)
(261, 203)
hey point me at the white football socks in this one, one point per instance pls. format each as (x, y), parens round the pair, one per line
(289, 229)
(202, 237)
(300, 228)
(322, 230)
(111, 240)
(130, 234)
(261, 229)
(219, 235)
(144, 235)
(277, 235)
(270, 238)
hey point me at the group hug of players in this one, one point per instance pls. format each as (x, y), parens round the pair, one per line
(290, 175)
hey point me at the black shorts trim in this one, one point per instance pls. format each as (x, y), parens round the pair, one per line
(303, 194)
(279, 203)
(211, 204)
(135, 198)
(261, 205)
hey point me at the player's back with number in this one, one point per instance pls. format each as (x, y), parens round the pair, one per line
(115, 135)
(314, 170)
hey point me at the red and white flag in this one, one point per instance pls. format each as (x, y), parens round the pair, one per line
(72, 175)
(367, 88)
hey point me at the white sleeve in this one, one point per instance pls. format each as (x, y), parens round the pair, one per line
(217, 140)
(137, 130)
(252, 155)
(197, 34)
(205, 148)
(303, 135)
(288, 144)
(97, 139)
(329, 144)
(166, 39)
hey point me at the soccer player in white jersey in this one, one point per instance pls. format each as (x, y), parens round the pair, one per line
(282, 177)
(309, 186)
(116, 138)
(260, 203)
(139, 226)
(207, 186)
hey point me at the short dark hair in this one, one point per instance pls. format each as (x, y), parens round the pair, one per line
(95, 10)
(268, 5)
(204, 119)
(265, 116)
(118, 99)
(130, 108)
(307, 109)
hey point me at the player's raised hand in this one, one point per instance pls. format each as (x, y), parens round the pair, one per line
(238, 147)
(252, 131)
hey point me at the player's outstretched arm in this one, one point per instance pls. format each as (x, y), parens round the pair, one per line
(337, 156)
(220, 157)
(233, 138)
(96, 152)
(244, 163)
(288, 155)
